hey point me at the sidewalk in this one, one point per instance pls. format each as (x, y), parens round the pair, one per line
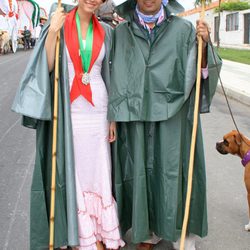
(236, 81)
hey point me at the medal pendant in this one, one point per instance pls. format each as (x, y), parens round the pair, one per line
(86, 78)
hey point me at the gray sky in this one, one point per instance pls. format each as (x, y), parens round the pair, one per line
(47, 3)
(187, 4)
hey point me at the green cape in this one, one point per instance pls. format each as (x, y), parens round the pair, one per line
(34, 100)
(152, 100)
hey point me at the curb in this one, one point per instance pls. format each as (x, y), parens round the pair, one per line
(235, 95)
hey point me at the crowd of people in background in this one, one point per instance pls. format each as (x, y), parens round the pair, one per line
(26, 40)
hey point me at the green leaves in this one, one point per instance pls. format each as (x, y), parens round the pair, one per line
(233, 6)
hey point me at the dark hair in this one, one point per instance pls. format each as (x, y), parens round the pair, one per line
(75, 1)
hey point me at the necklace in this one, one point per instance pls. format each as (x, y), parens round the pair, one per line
(85, 53)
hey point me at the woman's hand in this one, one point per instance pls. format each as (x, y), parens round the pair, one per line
(112, 132)
(57, 20)
(56, 23)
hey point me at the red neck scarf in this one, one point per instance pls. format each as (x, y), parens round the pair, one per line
(71, 38)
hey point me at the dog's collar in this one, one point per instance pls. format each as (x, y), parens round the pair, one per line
(246, 158)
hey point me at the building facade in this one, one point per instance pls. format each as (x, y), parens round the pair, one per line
(234, 28)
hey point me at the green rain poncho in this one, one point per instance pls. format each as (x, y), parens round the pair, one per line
(34, 100)
(152, 100)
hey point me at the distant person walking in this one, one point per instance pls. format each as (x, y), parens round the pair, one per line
(26, 38)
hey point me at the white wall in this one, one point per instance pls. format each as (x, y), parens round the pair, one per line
(226, 37)
(235, 37)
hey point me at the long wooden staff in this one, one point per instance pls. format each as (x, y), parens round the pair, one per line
(194, 133)
(54, 144)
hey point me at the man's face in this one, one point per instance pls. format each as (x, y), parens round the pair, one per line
(149, 7)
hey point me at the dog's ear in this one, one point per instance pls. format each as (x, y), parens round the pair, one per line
(238, 139)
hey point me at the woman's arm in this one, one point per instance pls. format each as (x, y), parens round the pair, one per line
(57, 21)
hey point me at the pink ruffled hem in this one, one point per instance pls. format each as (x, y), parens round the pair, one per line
(98, 223)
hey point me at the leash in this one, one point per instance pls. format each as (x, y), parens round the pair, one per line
(223, 89)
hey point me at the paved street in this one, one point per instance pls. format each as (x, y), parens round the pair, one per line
(16, 159)
(227, 204)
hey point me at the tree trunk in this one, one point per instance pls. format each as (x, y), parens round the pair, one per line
(218, 35)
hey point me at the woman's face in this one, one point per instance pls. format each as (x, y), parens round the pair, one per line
(149, 7)
(89, 6)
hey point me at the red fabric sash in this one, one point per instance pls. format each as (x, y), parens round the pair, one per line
(71, 38)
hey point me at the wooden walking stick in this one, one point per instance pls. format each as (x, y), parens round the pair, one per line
(194, 133)
(54, 144)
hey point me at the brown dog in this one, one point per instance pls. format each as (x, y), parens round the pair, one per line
(237, 144)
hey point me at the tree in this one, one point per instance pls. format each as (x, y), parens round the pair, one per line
(218, 28)
(199, 2)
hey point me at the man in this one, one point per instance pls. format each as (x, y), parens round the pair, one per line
(152, 101)
(26, 38)
(38, 29)
(106, 10)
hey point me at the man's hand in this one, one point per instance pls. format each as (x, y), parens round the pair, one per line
(203, 30)
(112, 132)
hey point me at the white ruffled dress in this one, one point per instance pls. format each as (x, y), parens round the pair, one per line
(97, 212)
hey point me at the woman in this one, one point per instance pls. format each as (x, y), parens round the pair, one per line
(83, 106)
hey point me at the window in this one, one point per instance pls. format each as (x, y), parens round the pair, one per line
(232, 22)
